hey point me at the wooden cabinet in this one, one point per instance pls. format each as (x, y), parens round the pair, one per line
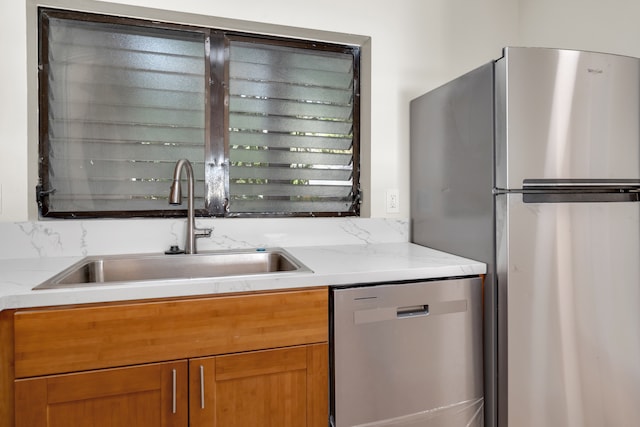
(142, 396)
(257, 359)
(277, 388)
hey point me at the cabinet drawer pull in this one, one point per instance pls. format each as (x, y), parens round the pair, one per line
(173, 392)
(201, 386)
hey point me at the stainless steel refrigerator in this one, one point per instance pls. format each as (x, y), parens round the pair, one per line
(531, 164)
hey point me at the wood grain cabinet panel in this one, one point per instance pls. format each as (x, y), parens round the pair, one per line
(51, 341)
(258, 360)
(142, 396)
(285, 387)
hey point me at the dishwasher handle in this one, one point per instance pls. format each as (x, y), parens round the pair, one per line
(413, 310)
(395, 312)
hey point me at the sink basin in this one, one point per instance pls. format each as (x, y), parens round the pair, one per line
(112, 269)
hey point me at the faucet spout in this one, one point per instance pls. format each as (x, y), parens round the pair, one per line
(175, 198)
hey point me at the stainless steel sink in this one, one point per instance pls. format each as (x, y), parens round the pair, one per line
(113, 269)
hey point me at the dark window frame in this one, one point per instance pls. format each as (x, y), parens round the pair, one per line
(216, 155)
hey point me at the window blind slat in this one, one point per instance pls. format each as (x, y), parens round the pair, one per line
(317, 126)
(270, 90)
(115, 36)
(110, 77)
(124, 131)
(105, 203)
(93, 56)
(104, 189)
(291, 57)
(114, 95)
(281, 107)
(290, 76)
(289, 190)
(121, 169)
(96, 113)
(289, 206)
(289, 173)
(289, 157)
(255, 139)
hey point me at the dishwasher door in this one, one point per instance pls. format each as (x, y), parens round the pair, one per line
(408, 354)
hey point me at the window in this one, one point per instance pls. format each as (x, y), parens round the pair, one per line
(269, 124)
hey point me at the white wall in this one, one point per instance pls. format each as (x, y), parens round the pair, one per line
(415, 45)
(602, 26)
(13, 112)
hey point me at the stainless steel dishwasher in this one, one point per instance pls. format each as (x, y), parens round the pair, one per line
(407, 354)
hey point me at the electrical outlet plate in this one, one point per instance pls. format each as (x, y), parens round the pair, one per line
(393, 201)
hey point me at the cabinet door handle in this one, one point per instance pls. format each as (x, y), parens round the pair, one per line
(201, 386)
(173, 392)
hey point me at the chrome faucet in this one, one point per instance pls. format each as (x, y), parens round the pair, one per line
(175, 198)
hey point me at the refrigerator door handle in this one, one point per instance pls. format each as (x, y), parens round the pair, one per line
(579, 190)
(581, 184)
(564, 196)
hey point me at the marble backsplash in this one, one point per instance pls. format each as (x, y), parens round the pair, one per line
(100, 237)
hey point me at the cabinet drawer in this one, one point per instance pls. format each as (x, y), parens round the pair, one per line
(58, 340)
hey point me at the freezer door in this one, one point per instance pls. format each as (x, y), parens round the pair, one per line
(408, 355)
(563, 114)
(570, 274)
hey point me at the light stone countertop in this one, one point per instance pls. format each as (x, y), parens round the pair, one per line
(330, 265)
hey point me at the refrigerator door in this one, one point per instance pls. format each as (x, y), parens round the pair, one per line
(563, 114)
(570, 273)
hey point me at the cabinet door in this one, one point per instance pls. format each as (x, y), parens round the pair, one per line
(285, 387)
(148, 395)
